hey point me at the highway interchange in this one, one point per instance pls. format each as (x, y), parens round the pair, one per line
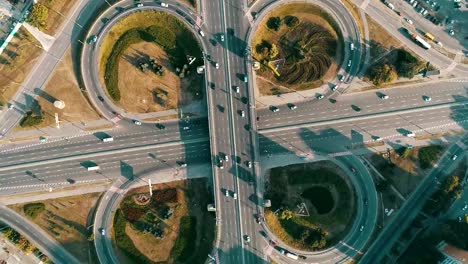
(307, 130)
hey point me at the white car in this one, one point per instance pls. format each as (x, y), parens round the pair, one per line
(247, 238)
(103, 231)
(201, 33)
(139, 5)
(342, 78)
(11, 106)
(361, 228)
(42, 139)
(217, 65)
(292, 106)
(226, 157)
(137, 122)
(334, 87)
(274, 109)
(409, 21)
(226, 193)
(236, 89)
(384, 97)
(451, 32)
(234, 195)
(164, 4)
(349, 63)
(249, 164)
(427, 99)
(242, 113)
(222, 37)
(320, 96)
(465, 207)
(186, 128)
(454, 157)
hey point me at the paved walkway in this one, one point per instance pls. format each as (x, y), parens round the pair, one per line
(46, 40)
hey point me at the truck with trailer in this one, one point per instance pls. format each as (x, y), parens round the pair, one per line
(420, 41)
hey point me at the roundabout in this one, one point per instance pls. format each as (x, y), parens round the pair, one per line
(235, 134)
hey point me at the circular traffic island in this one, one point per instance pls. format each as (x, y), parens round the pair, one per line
(312, 205)
(148, 62)
(298, 47)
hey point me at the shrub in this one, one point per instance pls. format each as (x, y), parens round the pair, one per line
(31, 120)
(111, 75)
(39, 13)
(184, 244)
(274, 23)
(164, 196)
(383, 73)
(124, 242)
(132, 214)
(427, 155)
(161, 35)
(291, 21)
(408, 65)
(32, 210)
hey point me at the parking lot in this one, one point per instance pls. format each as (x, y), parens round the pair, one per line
(446, 20)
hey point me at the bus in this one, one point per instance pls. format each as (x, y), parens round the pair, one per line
(429, 36)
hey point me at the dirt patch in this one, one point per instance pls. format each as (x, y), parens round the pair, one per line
(381, 42)
(58, 10)
(65, 219)
(144, 92)
(63, 86)
(15, 63)
(311, 22)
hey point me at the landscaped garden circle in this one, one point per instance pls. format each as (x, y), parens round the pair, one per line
(148, 62)
(298, 46)
(171, 226)
(312, 205)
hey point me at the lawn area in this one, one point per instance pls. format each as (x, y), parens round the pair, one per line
(325, 193)
(16, 62)
(64, 219)
(58, 10)
(298, 46)
(381, 42)
(144, 64)
(172, 226)
(63, 86)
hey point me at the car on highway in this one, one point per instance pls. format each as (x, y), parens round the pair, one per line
(222, 37)
(102, 231)
(139, 4)
(451, 32)
(410, 134)
(182, 164)
(319, 96)
(42, 139)
(408, 20)
(342, 78)
(247, 238)
(351, 46)
(217, 65)
(249, 164)
(226, 192)
(246, 79)
(11, 106)
(92, 39)
(460, 219)
(137, 122)
(186, 128)
(259, 219)
(427, 98)
(220, 164)
(274, 109)
(384, 97)
(333, 87)
(349, 63)
(353, 170)
(242, 113)
(160, 126)
(236, 89)
(361, 228)
(377, 138)
(454, 157)
(292, 106)
(234, 195)
(225, 157)
(100, 98)
(465, 207)
(164, 4)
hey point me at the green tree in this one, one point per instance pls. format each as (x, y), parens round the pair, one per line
(39, 14)
(274, 23)
(451, 183)
(31, 120)
(383, 73)
(286, 214)
(291, 21)
(273, 52)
